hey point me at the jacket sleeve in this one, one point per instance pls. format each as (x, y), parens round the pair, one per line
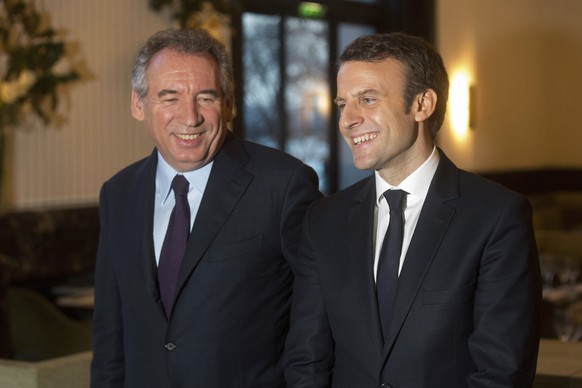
(504, 344)
(107, 367)
(309, 346)
(301, 191)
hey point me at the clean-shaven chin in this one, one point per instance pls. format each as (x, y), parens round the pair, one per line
(361, 157)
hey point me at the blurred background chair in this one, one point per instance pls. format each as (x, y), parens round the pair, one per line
(39, 330)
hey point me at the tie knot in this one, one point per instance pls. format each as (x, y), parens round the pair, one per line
(180, 185)
(395, 198)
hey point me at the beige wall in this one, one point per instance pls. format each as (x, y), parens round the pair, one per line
(67, 166)
(524, 57)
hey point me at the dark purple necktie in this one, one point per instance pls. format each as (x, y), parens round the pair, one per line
(389, 259)
(174, 243)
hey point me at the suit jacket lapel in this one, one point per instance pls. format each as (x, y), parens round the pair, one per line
(361, 256)
(226, 185)
(432, 225)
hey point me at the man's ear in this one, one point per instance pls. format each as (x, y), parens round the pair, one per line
(425, 104)
(137, 110)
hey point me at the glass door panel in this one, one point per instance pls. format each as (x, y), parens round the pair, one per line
(262, 78)
(307, 95)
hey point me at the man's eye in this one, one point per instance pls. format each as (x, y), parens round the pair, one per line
(206, 100)
(368, 100)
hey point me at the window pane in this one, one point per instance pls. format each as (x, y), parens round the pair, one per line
(307, 96)
(261, 50)
(347, 173)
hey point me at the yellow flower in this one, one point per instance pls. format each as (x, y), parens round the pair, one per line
(11, 91)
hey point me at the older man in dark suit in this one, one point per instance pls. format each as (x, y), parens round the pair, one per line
(450, 297)
(193, 277)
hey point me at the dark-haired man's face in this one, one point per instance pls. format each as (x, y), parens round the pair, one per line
(374, 121)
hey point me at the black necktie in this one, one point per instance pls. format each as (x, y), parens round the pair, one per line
(174, 243)
(389, 259)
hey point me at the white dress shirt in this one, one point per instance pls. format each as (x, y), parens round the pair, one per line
(416, 185)
(164, 202)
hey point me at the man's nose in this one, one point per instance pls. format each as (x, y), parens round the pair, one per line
(191, 115)
(350, 116)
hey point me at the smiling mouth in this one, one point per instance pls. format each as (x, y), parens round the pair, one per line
(186, 136)
(364, 138)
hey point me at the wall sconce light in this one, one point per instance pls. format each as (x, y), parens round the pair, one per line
(462, 104)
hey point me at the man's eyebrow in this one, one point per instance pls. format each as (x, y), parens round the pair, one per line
(212, 92)
(359, 94)
(368, 91)
(166, 92)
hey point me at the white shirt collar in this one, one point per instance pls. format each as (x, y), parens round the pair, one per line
(416, 184)
(165, 174)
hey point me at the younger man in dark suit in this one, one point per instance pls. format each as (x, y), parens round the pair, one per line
(452, 298)
(215, 312)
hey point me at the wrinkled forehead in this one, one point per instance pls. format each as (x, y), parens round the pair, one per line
(171, 67)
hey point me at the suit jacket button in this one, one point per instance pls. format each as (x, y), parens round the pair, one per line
(170, 346)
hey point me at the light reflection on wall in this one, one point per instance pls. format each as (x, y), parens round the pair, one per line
(459, 104)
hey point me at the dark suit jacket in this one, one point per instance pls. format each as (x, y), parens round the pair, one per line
(231, 311)
(466, 310)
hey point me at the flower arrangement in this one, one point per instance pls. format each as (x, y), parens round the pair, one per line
(211, 15)
(34, 64)
(187, 13)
